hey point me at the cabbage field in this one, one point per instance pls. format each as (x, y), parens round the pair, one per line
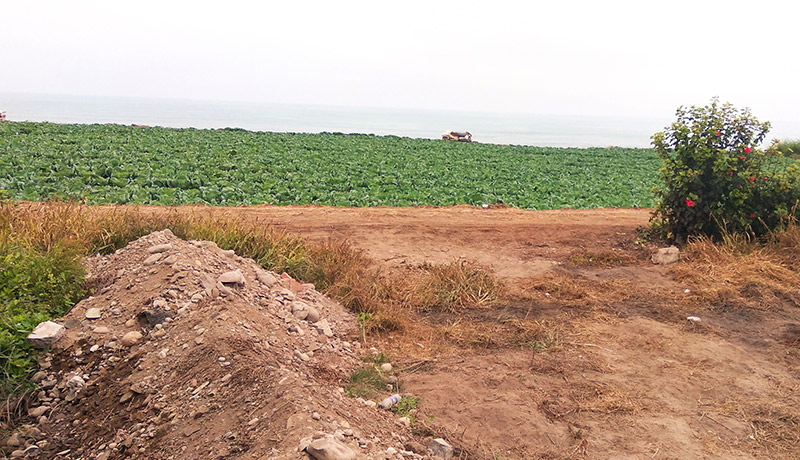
(142, 165)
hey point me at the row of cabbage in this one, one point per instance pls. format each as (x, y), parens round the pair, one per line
(122, 164)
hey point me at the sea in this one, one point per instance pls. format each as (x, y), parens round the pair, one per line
(494, 128)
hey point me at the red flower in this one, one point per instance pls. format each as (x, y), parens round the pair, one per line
(717, 132)
(691, 174)
(741, 158)
(689, 203)
(766, 178)
(752, 216)
(730, 173)
(752, 179)
(747, 150)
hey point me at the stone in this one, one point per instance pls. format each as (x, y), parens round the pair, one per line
(228, 253)
(159, 303)
(386, 367)
(45, 335)
(152, 259)
(37, 412)
(75, 381)
(159, 248)
(131, 338)
(441, 448)
(416, 447)
(666, 256)
(302, 356)
(324, 327)
(266, 278)
(330, 449)
(14, 441)
(101, 330)
(313, 315)
(93, 313)
(222, 290)
(232, 277)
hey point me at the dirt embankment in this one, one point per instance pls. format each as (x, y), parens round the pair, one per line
(188, 351)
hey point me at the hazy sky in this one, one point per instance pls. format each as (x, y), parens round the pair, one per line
(642, 58)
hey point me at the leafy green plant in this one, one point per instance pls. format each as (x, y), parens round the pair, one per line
(406, 407)
(789, 147)
(714, 177)
(100, 164)
(35, 286)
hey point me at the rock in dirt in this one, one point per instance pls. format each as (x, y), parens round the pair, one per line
(232, 277)
(441, 448)
(93, 313)
(266, 279)
(38, 411)
(13, 440)
(152, 259)
(666, 256)
(131, 338)
(159, 248)
(324, 328)
(330, 449)
(45, 334)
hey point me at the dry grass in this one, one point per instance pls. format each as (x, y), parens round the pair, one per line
(602, 259)
(744, 273)
(452, 287)
(774, 427)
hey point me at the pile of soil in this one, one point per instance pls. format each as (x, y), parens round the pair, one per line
(187, 351)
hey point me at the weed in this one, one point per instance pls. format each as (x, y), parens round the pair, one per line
(598, 259)
(407, 407)
(377, 359)
(366, 382)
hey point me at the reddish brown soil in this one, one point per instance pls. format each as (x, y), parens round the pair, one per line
(622, 375)
(627, 379)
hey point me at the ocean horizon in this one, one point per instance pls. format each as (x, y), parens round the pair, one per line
(493, 128)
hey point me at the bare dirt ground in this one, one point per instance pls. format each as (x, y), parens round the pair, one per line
(613, 370)
(625, 375)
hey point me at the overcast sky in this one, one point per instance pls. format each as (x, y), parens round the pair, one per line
(624, 58)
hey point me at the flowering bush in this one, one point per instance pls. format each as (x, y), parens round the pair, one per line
(710, 162)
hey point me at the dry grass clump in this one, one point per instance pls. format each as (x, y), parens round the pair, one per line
(562, 286)
(452, 287)
(600, 259)
(536, 335)
(740, 271)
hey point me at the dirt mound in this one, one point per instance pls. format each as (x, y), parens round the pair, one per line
(191, 352)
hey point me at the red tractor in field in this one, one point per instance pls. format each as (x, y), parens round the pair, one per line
(456, 136)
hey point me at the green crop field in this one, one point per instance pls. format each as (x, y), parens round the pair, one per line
(123, 164)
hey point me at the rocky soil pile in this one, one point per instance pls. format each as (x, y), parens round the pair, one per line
(187, 351)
